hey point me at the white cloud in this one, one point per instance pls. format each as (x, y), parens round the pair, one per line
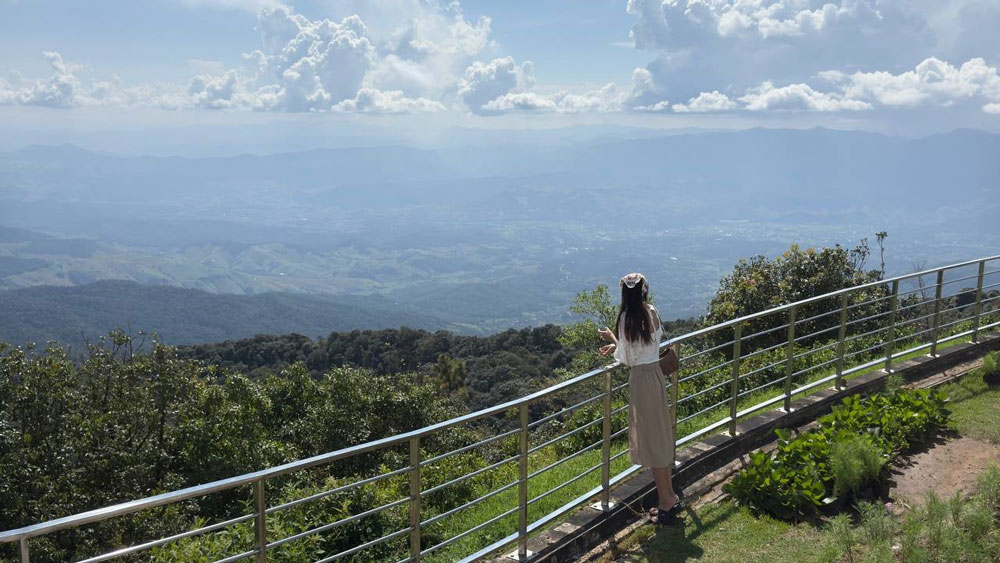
(485, 82)
(318, 65)
(418, 63)
(370, 100)
(213, 92)
(992, 108)
(605, 99)
(713, 101)
(797, 97)
(932, 81)
(732, 45)
(61, 90)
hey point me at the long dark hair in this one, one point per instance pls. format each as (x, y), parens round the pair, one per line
(638, 325)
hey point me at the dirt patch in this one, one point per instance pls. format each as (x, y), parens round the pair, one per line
(945, 467)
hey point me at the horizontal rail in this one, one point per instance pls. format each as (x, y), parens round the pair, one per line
(565, 411)
(472, 530)
(839, 292)
(365, 546)
(573, 432)
(565, 484)
(467, 476)
(163, 541)
(463, 449)
(570, 457)
(469, 504)
(338, 523)
(342, 489)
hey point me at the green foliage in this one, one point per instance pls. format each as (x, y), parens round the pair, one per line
(123, 425)
(759, 284)
(990, 369)
(597, 310)
(898, 419)
(848, 448)
(479, 370)
(855, 462)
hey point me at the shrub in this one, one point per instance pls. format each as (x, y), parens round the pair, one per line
(854, 462)
(866, 434)
(784, 490)
(991, 369)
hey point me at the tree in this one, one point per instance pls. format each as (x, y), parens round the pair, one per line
(759, 284)
(451, 374)
(597, 311)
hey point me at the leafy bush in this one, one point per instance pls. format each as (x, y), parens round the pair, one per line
(781, 489)
(847, 449)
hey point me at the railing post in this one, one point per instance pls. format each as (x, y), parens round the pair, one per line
(606, 446)
(735, 387)
(415, 498)
(522, 493)
(673, 398)
(789, 359)
(979, 302)
(889, 344)
(937, 312)
(839, 380)
(25, 556)
(260, 519)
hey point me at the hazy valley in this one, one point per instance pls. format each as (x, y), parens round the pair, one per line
(488, 236)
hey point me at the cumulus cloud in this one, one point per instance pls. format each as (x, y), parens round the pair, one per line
(707, 102)
(732, 45)
(67, 87)
(932, 81)
(992, 108)
(485, 82)
(418, 63)
(61, 90)
(605, 99)
(797, 97)
(370, 100)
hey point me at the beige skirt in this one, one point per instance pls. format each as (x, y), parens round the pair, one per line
(650, 435)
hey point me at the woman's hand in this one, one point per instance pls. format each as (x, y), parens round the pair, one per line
(607, 349)
(606, 335)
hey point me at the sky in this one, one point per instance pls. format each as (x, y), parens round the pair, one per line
(897, 66)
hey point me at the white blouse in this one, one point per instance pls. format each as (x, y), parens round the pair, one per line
(639, 353)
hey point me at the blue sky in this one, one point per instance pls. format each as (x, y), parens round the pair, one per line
(892, 65)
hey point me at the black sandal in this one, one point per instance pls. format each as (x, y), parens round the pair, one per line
(668, 515)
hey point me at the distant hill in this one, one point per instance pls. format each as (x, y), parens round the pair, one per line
(73, 315)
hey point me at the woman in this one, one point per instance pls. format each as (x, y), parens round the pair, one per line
(635, 343)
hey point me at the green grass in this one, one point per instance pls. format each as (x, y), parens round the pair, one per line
(974, 408)
(725, 532)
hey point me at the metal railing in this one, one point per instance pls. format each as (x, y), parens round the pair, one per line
(728, 372)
